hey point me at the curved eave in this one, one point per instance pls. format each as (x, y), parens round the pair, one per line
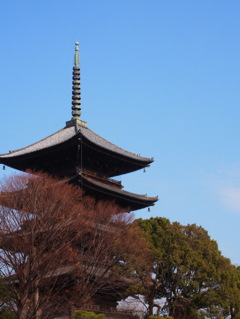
(126, 200)
(44, 160)
(104, 144)
(28, 157)
(47, 144)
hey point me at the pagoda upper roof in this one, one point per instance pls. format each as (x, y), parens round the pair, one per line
(50, 141)
(20, 159)
(66, 134)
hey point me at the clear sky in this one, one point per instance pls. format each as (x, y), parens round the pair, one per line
(160, 78)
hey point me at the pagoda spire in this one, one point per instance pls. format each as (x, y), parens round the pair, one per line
(76, 92)
(76, 89)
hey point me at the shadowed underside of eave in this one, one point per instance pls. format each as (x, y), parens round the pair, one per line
(60, 153)
(127, 201)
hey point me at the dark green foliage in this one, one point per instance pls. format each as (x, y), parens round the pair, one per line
(7, 315)
(4, 293)
(189, 272)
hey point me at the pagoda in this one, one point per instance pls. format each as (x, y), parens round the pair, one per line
(82, 157)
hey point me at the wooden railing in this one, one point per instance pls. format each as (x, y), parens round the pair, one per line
(102, 179)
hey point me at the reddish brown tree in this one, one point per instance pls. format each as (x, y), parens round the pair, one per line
(59, 248)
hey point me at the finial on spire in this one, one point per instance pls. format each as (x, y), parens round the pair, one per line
(76, 92)
(76, 55)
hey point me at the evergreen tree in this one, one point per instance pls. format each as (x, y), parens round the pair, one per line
(188, 272)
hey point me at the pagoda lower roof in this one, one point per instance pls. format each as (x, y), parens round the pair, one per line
(59, 144)
(127, 201)
(100, 190)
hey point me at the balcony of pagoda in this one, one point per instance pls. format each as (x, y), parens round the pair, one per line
(99, 178)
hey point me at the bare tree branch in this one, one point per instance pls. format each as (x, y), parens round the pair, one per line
(59, 248)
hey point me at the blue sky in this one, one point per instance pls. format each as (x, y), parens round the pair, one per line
(159, 78)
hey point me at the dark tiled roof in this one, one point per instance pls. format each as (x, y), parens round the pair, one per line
(66, 134)
(98, 140)
(121, 192)
(52, 140)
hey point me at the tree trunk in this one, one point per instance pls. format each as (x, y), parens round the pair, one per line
(158, 309)
(171, 309)
(23, 312)
(36, 300)
(150, 306)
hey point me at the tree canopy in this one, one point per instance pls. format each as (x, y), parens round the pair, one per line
(188, 272)
(59, 248)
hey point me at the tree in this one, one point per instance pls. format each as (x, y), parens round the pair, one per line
(186, 272)
(58, 248)
(230, 291)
